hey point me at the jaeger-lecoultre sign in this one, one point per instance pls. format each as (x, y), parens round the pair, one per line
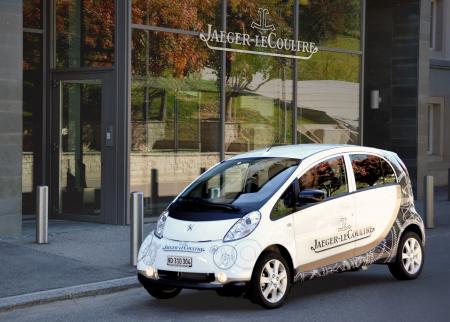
(215, 39)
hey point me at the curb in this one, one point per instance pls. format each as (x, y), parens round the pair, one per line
(65, 293)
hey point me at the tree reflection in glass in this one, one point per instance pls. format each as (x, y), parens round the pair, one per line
(84, 33)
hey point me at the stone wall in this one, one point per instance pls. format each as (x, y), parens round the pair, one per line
(175, 170)
(10, 117)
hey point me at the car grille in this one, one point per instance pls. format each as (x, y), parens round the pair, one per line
(186, 277)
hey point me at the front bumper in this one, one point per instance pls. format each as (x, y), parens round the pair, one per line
(205, 270)
(182, 283)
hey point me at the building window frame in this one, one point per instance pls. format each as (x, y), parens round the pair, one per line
(435, 128)
(433, 24)
(436, 25)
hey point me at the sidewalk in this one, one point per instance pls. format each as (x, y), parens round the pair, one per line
(77, 253)
(441, 208)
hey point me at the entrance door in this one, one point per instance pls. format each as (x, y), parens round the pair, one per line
(82, 135)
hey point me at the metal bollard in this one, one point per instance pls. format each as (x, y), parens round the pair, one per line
(42, 215)
(429, 202)
(136, 228)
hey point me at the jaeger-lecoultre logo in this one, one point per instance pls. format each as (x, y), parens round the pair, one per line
(346, 235)
(344, 225)
(262, 24)
(219, 39)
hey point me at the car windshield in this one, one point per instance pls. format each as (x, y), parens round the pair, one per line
(241, 183)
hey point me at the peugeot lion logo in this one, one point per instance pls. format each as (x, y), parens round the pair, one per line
(189, 227)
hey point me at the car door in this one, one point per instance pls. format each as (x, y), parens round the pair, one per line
(377, 199)
(324, 216)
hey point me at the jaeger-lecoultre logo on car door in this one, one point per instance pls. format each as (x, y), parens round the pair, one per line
(346, 235)
(344, 225)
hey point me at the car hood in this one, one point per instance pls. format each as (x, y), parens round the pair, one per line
(197, 231)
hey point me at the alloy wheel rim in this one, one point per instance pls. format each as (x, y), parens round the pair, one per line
(412, 256)
(273, 281)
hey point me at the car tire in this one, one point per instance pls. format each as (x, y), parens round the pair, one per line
(410, 258)
(271, 281)
(163, 293)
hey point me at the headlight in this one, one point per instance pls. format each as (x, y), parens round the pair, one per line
(225, 257)
(243, 227)
(161, 223)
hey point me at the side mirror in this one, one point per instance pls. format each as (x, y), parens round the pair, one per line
(311, 196)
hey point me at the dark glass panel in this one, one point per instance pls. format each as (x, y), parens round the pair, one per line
(32, 14)
(32, 118)
(175, 114)
(85, 33)
(329, 99)
(80, 155)
(331, 23)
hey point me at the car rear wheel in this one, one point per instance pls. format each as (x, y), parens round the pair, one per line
(271, 281)
(163, 293)
(410, 257)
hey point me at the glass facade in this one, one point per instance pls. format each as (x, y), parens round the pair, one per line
(191, 105)
(185, 94)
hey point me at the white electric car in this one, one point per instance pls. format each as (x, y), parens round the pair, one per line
(261, 221)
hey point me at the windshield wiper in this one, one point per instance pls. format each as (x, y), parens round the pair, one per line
(212, 205)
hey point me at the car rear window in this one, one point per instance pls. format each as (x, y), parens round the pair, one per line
(371, 170)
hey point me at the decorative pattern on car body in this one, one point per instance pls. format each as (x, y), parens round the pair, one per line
(386, 250)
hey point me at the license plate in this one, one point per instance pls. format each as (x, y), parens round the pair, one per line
(179, 261)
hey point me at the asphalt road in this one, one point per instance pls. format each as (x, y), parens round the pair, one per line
(372, 295)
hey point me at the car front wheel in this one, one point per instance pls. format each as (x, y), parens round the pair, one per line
(410, 257)
(163, 293)
(271, 281)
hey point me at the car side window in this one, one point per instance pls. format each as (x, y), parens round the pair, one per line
(371, 170)
(388, 172)
(324, 180)
(285, 205)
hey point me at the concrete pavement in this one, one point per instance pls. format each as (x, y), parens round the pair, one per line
(78, 253)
